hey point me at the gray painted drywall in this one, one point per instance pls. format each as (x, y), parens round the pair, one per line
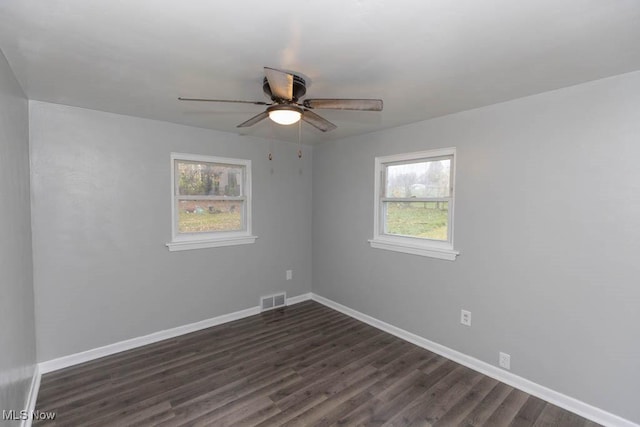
(102, 215)
(17, 333)
(548, 226)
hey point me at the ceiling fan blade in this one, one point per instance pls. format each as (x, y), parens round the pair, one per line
(223, 100)
(345, 104)
(253, 120)
(281, 83)
(318, 122)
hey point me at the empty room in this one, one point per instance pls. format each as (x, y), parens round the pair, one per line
(310, 213)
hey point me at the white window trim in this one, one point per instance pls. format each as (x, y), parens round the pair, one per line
(404, 244)
(184, 241)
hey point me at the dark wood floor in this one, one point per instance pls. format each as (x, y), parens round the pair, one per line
(304, 365)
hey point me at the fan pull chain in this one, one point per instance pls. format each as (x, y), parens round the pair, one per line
(300, 139)
(271, 143)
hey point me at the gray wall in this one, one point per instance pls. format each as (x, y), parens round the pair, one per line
(548, 225)
(17, 333)
(102, 215)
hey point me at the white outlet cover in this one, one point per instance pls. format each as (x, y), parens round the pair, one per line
(504, 360)
(289, 274)
(465, 317)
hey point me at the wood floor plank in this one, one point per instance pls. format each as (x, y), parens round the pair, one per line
(338, 348)
(217, 403)
(368, 410)
(134, 416)
(259, 416)
(229, 414)
(393, 371)
(329, 381)
(414, 410)
(386, 401)
(553, 416)
(335, 400)
(302, 365)
(441, 404)
(464, 406)
(529, 412)
(508, 409)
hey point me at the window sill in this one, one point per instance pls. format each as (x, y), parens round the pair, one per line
(212, 243)
(413, 249)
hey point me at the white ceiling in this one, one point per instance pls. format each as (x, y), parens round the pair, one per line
(423, 58)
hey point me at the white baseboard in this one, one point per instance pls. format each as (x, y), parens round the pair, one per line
(30, 405)
(299, 298)
(576, 406)
(96, 353)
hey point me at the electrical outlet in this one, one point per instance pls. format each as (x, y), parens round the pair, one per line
(289, 274)
(465, 317)
(504, 360)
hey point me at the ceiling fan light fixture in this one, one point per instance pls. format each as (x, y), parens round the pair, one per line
(285, 114)
(285, 89)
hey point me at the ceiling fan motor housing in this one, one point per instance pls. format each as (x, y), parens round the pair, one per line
(299, 89)
(285, 89)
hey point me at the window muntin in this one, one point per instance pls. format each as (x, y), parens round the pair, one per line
(209, 196)
(414, 201)
(211, 201)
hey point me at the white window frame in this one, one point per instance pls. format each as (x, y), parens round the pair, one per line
(187, 241)
(406, 244)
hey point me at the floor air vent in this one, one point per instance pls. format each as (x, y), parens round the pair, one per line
(273, 301)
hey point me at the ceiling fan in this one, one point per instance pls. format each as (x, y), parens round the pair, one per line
(285, 90)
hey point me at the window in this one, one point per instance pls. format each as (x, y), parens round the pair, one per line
(414, 195)
(211, 202)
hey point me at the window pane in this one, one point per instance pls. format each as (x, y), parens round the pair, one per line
(212, 179)
(196, 216)
(422, 179)
(426, 220)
